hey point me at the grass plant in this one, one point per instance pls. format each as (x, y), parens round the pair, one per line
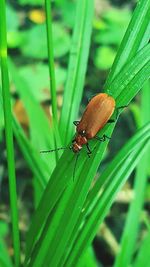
(69, 211)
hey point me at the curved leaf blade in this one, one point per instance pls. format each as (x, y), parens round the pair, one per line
(77, 67)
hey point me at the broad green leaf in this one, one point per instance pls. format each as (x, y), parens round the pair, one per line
(14, 37)
(12, 19)
(115, 21)
(104, 57)
(67, 9)
(37, 78)
(45, 135)
(38, 123)
(36, 47)
(117, 16)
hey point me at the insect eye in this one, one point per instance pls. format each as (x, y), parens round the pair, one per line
(82, 133)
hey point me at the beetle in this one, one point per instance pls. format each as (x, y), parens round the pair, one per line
(97, 113)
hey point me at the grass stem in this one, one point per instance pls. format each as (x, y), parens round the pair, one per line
(9, 133)
(51, 59)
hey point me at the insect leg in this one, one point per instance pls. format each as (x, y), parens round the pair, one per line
(117, 111)
(111, 121)
(89, 152)
(71, 146)
(76, 123)
(117, 114)
(52, 150)
(103, 138)
(121, 107)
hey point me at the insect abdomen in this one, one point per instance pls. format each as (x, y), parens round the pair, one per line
(96, 115)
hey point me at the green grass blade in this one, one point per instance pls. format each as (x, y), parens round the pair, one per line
(106, 178)
(142, 259)
(126, 151)
(145, 99)
(77, 67)
(133, 219)
(44, 139)
(56, 135)
(132, 76)
(44, 253)
(132, 144)
(105, 198)
(39, 167)
(32, 107)
(51, 59)
(63, 173)
(71, 202)
(88, 257)
(74, 196)
(59, 180)
(73, 199)
(129, 237)
(137, 35)
(9, 133)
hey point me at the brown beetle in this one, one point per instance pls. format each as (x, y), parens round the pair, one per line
(97, 114)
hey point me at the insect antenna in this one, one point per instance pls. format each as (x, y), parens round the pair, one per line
(75, 165)
(52, 150)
